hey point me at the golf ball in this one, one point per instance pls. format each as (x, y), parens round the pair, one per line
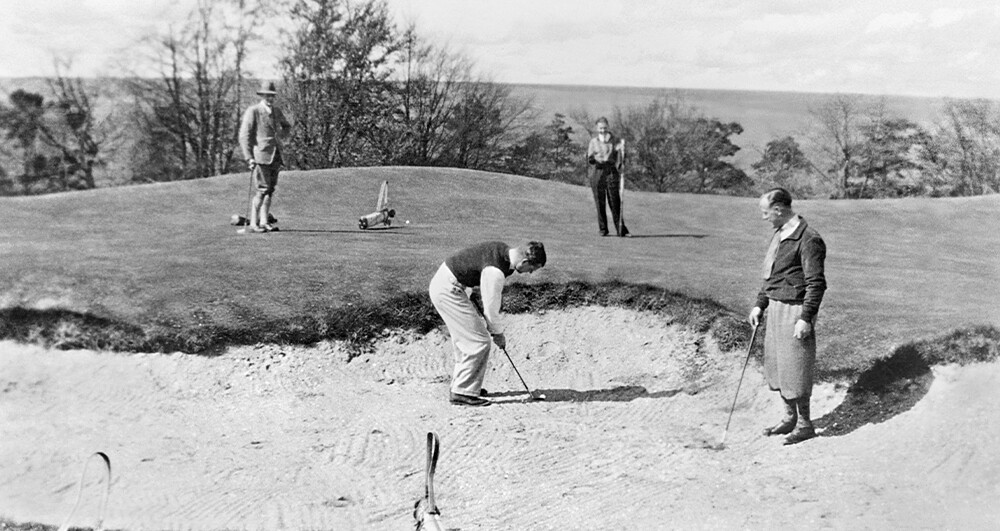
(407, 222)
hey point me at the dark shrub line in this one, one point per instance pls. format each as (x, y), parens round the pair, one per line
(359, 325)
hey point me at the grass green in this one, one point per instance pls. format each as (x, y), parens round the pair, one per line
(158, 266)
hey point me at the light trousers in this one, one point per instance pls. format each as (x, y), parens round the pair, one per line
(470, 339)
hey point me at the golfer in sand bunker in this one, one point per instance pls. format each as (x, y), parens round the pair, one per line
(792, 291)
(486, 266)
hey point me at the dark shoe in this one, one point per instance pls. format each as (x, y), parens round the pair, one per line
(799, 435)
(483, 392)
(781, 428)
(604, 234)
(465, 400)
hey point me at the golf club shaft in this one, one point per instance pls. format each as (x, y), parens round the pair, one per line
(504, 349)
(753, 336)
(250, 195)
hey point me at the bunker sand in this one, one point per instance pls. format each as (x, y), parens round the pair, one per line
(282, 437)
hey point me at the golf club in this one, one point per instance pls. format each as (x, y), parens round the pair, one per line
(753, 336)
(246, 221)
(250, 196)
(539, 396)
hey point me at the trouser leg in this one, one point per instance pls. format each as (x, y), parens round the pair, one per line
(470, 339)
(615, 204)
(600, 196)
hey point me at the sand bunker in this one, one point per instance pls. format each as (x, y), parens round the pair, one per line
(278, 437)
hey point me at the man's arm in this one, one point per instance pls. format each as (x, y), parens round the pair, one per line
(592, 151)
(813, 258)
(248, 133)
(491, 282)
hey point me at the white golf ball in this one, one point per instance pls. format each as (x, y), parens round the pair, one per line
(407, 222)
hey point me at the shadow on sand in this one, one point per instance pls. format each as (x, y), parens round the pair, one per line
(891, 386)
(625, 393)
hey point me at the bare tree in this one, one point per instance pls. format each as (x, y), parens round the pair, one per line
(188, 116)
(970, 137)
(838, 135)
(60, 143)
(336, 69)
(430, 87)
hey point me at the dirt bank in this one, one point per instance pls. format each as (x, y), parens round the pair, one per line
(274, 437)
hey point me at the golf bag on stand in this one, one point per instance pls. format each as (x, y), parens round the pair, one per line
(383, 214)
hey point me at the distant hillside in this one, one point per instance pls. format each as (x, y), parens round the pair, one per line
(763, 115)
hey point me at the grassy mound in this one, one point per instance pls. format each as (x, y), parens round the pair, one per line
(895, 384)
(358, 324)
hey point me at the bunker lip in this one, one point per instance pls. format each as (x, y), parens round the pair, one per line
(271, 435)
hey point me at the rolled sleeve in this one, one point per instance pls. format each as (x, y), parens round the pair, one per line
(491, 282)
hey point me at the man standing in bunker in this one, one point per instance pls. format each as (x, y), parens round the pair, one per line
(486, 266)
(792, 291)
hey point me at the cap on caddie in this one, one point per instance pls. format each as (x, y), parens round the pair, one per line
(267, 87)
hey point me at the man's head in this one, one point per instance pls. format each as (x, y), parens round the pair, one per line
(529, 257)
(776, 207)
(267, 91)
(602, 125)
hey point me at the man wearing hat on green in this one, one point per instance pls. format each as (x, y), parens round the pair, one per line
(261, 131)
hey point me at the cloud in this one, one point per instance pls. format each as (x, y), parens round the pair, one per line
(904, 47)
(894, 22)
(945, 17)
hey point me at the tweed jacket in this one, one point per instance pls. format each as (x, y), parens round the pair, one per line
(797, 276)
(261, 132)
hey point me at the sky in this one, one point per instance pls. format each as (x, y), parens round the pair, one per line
(914, 47)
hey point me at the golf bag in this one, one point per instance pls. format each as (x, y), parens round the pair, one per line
(383, 214)
(239, 221)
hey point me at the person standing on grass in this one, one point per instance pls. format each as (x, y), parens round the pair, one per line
(486, 266)
(605, 162)
(792, 291)
(261, 131)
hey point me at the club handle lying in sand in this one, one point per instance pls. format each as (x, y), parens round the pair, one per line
(106, 461)
(426, 511)
(533, 396)
(753, 336)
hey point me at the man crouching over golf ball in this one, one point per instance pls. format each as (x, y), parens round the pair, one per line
(792, 291)
(486, 266)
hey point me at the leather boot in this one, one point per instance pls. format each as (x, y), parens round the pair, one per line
(804, 427)
(787, 423)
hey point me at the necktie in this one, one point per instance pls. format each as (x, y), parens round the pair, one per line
(772, 251)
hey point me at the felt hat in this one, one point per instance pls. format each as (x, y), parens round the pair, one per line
(267, 87)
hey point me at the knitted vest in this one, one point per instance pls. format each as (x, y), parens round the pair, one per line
(468, 264)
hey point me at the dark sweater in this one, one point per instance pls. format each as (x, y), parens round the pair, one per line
(468, 264)
(797, 276)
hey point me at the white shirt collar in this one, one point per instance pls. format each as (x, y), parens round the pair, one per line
(789, 227)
